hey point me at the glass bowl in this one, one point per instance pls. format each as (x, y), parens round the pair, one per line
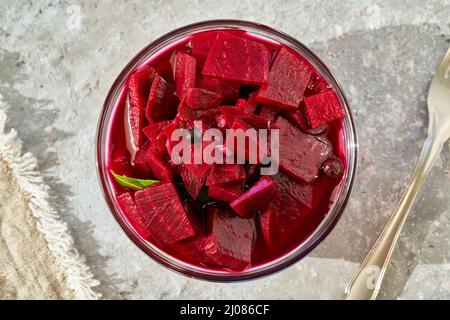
(349, 144)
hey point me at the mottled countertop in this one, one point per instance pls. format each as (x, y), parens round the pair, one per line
(59, 58)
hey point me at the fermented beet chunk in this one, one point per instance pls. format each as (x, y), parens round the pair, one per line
(138, 90)
(160, 104)
(257, 197)
(226, 191)
(268, 226)
(163, 213)
(237, 59)
(223, 173)
(129, 208)
(289, 208)
(323, 108)
(231, 241)
(288, 78)
(183, 66)
(160, 168)
(228, 90)
(202, 99)
(301, 155)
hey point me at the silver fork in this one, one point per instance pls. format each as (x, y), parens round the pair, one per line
(366, 281)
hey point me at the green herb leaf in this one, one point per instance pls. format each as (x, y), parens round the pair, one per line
(133, 183)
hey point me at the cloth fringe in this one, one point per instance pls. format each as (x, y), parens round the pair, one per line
(61, 244)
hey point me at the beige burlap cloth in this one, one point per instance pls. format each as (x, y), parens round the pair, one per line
(28, 268)
(38, 259)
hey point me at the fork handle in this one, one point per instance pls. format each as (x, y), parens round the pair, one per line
(367, 279)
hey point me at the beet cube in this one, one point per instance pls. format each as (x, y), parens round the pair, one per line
(200, 44)
(156, 135)
(228, 90)
(184, 73)
(299, 118)
(120, 165)
(194, 176)
(202, 99)
(288, 78)
(269, 113)
(130, 210)
(268, 226)
(237, 59)
(138, 90)
(208, 116)
(159, 166)
(227, 191)
(299, 192)
(231, 113)
(301, 155)
(160, 104)
(290, 206)
(323, 108)
(316, 84)
(164, 214)
(257, 197)
(223, 173)
(231, 241)
(140, 165)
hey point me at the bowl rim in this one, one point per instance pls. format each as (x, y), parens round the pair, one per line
(276, 265)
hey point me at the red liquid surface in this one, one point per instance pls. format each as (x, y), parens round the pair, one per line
(324, 188)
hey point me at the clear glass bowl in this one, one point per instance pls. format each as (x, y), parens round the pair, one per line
(350, 146)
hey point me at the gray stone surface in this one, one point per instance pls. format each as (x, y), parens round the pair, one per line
(58, 59)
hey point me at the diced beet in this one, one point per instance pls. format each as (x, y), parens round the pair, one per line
(160, 104)
(121, 165)
(292, 204)
(316, 84)
(237, 59)
(194, 176)
(208, 116)
(193, 249)
(301, 155)
(184, 73)
(269, 113)
(192, 183)
(200, 44)
(163, 213)
(140, 165)
(156, 135)
(299, 192)
(223, 173)
(129, 209)
(268, 226)
(323, 108)
(197, 98)
(231, 143)
(288, 78)
(227, 191)
(160, 168)
(231, 113)
(138, 90)
(231, 241)
(257, 197)
(228, 90)
(298, 117)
